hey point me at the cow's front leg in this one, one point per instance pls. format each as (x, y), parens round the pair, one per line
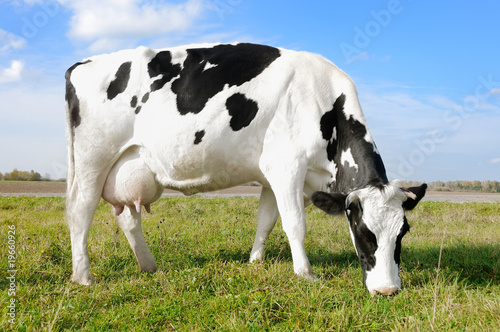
(293, 218)
(266, 219)
(286, 172)
(130, 223)
(287, 184)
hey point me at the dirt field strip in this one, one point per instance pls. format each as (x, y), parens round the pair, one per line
(58, 189)
(7, 188)
(461, 197)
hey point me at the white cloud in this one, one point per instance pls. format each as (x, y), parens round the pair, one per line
(495, 91)
(10, 41)
(364, 56)
(108, 24)
(432, 133)
(13, 73)
(495, 160)
(360, 56)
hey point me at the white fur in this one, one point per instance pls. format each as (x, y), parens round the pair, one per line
(346, 156)
(209, 65)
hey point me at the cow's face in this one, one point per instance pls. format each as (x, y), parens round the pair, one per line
(377, 224)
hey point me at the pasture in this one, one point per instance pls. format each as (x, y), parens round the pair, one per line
(450, 271)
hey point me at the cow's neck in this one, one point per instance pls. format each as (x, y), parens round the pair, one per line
(356, 157)
(369, 170)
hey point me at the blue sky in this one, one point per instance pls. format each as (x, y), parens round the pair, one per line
(427, 72)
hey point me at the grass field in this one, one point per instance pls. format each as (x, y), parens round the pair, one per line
(205, 283)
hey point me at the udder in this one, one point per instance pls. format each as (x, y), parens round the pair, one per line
(131, 183)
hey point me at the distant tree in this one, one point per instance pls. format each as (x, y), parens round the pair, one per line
(449, 184)
(476, 185)
(34, 176)
(462, 185)
(23, 175)
(14, 175)
(486, 186)
(459, 185)
(495, 186)
(1, 176)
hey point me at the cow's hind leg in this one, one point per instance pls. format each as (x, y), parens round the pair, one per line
(81, 203)
(266, 219)
(130, 222)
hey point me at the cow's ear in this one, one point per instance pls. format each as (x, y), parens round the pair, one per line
(414, 195)
(330, 203)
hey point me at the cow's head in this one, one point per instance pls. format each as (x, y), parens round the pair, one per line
(377, 223)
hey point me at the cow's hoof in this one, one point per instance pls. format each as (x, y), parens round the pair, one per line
(309, 277)
(149, 269)
(256, 257)
(83, 280)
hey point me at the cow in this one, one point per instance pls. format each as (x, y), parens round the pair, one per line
(205, 117)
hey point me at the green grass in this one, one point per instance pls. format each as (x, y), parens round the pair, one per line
(205, 283)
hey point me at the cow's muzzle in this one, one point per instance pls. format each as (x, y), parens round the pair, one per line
(385, 291)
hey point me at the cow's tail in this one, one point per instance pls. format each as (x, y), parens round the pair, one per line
(71, 162)
(72, 121)
(72, 112)
(70, 135)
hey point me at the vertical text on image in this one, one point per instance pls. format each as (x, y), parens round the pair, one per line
(11, 273)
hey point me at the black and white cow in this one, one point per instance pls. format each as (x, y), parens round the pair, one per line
(205, 117)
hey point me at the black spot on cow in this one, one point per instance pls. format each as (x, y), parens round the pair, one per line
(328, 123)
(72, 98)
(404, 229)
(120, 82)
(364, 239)
(133, 102)
(350, 134)
(198, 136)
(162, 65)
(207, 71)
(242, 111)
